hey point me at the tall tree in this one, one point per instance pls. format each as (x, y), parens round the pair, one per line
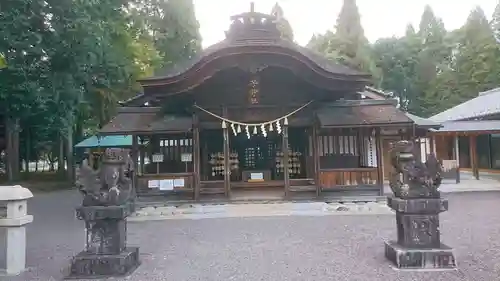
(348, 44)
(473, 65)
(283, 24)
(349, 32)
(397, 59)
(495, 22)
(22, 47)
(478, 54)
(172, 27)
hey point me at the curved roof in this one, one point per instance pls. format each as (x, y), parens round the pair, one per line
(255, 33)
(225, 45)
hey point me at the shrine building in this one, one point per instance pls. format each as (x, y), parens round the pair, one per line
(258, 115)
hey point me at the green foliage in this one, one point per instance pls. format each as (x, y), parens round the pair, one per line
(65, 64)
(170, 26)
(428, 69)
(3, 62)
(348, 44)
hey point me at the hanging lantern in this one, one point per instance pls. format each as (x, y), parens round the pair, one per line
(224, 125)
(233, 128)
(270, 127)
(255, 130)
(239, 129)
(286, 121)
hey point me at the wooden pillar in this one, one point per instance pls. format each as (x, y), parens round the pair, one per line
(142, 155)
(227, 168)
(457, 158)
(196, 157)
(432, 145)
(315, 156)
(473, 156)
(134, 155)
(286, 156)
(380, 168)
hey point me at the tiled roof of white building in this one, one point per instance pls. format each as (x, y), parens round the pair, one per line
(486, 103)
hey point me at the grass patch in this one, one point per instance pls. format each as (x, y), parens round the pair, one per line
(40, 182)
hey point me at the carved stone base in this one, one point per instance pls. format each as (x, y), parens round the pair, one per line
(420, 258)
(95, 266)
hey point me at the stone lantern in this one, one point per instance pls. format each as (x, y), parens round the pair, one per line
(13, 221)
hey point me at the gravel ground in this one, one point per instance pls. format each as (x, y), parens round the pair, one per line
(270, 248)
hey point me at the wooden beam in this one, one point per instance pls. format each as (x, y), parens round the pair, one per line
(315, 156)
(142, 156)
(134, 155)
(227, 168)
(380, 168)
(457, 157)
(473, 156)
(284, 147)
(196, 157)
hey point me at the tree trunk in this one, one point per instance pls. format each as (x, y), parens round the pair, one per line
(69, 154)
(28, 152)
(12, 150)
(60, 158)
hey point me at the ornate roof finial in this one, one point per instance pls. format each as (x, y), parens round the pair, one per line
(253, 25)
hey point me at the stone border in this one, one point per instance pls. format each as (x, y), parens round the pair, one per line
(199, 211)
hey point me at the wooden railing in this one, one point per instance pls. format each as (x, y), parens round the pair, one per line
(345, 178)
(187, 180)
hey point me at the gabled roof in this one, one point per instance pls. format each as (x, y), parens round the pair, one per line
(486, 103)
(492, 126)
(376, 94)
(423, 122)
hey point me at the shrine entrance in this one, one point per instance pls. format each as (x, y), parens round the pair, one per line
(258, 161)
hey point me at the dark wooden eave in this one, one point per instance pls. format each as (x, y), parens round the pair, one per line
(145, 120)
(362, 113)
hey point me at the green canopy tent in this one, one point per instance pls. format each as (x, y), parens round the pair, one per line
(105, 141)
(95, 145)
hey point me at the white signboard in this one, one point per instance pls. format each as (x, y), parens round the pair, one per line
(157, 158)
(153, 184)
(186, 157)
(179, 182)
(257, 176)
(167, 185)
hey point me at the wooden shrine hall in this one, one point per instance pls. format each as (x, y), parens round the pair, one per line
(256, 114)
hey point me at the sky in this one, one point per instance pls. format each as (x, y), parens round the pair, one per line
(380, 18)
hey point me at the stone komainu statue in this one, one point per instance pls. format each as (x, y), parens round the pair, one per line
(109, 185)
(410, 178)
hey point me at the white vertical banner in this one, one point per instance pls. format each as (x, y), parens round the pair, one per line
(371, 151)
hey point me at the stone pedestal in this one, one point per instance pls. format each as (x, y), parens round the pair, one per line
(13, 221)
(105, 254)
(419, 245)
